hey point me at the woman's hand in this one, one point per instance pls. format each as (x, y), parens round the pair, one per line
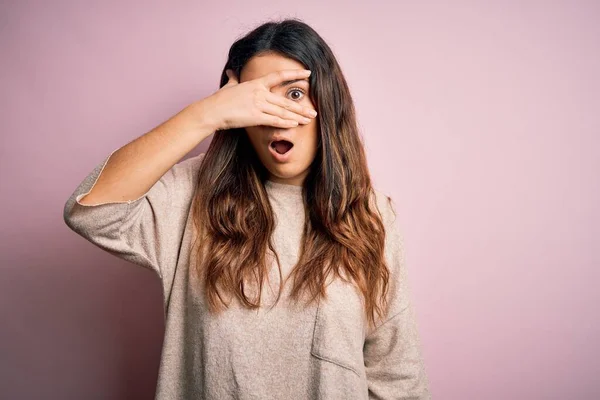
(251, 103)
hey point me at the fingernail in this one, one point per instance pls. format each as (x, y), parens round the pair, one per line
(313, 113)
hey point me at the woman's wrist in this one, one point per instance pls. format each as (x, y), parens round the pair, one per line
(202, 112)
(195, 119)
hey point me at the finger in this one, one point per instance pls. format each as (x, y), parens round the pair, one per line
(275, 110)
(290, 105)
(273, 120)
(276, 77)
(232, 78)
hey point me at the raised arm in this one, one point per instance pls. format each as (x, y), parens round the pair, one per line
(135, 203)
(133, 169)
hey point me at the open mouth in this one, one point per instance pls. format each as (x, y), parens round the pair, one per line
(282, 146)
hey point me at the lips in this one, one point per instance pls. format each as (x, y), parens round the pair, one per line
(281, 149)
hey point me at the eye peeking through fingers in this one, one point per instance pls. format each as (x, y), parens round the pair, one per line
(297, 90)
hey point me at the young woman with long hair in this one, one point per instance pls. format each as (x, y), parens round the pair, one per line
(281, 266)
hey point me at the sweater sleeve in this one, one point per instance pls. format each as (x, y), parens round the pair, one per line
(392, 350)
(147, 231)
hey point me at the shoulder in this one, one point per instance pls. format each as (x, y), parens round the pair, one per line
(183, 175)
(189, 166)
(386, 206)
(178, 185)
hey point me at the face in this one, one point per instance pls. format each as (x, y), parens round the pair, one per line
(296, 166)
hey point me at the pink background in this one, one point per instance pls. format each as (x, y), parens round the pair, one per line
(481, 119)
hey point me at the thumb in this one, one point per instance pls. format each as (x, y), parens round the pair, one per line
(232, 78)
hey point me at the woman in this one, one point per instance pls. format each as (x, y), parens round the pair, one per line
(282, 267)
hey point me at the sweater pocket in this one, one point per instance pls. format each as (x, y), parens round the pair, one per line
(338, 335)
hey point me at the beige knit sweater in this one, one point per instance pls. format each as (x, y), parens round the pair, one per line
(287, 352)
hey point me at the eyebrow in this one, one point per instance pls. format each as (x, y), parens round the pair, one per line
(287, 83)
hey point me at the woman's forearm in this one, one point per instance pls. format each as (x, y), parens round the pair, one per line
(134, 168)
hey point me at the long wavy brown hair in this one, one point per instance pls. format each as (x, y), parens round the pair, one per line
(343, 233)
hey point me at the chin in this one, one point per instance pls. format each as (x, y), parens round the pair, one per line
(283, 173)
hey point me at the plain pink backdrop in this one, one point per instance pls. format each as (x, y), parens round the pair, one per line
(481, 119)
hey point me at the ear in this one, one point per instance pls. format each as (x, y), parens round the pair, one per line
(232, 78)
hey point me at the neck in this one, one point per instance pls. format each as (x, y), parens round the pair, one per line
(283, 188)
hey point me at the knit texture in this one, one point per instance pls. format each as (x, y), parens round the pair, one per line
(289, 351)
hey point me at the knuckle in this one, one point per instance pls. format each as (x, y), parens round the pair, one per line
(257, 99)
(255, 112)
